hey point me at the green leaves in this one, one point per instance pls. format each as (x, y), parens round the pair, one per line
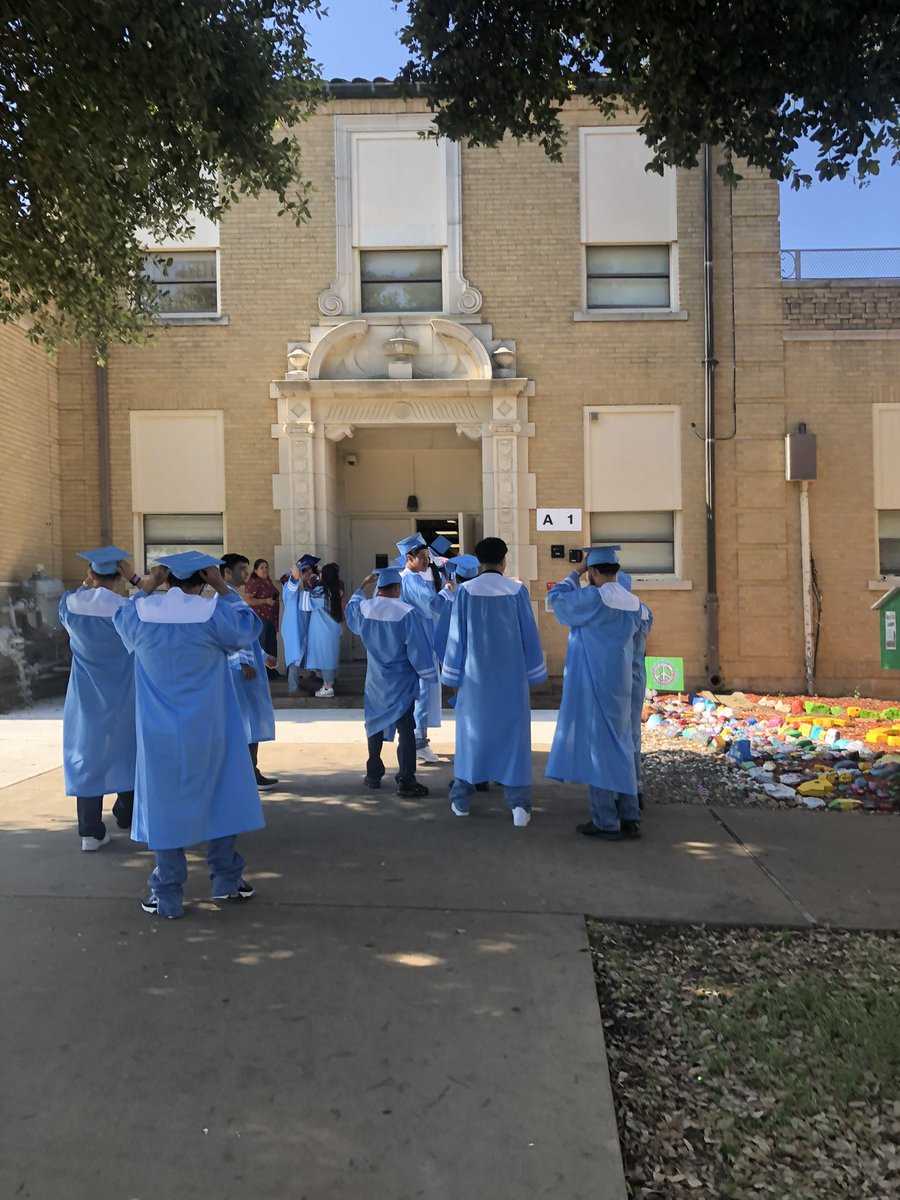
(117, 116)
(754, 76)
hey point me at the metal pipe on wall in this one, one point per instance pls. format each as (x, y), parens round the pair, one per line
(103, 461)
(809, 639)
(713, 667)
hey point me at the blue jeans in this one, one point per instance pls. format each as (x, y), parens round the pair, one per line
(167, 880)
(420, 712)
(609, 809)
(406, 751)
(637, 769)
(516, 797)
(90, 814)
(293, 678)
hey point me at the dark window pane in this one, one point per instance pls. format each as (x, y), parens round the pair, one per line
(402, 297)
(186, 280)
(379, 266)
(627, 260)
(187, 298)
(889, 542)
(610, 292)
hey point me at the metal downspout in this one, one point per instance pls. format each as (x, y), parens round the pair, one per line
(713, 668)
(103, 479)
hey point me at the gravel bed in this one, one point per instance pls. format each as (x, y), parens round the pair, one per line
(679, 770)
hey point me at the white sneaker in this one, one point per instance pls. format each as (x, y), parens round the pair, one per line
(457, 812)
(325, 692)
(90, 843)
(427, 755)
(521, 817)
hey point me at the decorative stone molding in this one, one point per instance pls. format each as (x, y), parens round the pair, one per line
(471, 346)
(298, 429)
(337, 433)
(469, 300)
(346, 332)
(472, 431)
(330, 301)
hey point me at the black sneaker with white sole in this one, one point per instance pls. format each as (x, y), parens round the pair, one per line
(151, 905)
(244, 891)
(264, 782)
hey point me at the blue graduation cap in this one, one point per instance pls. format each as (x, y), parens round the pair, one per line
(388, 576)
(465, 566)
(399, 561)
(411, 544)
(308, 560)
(440, 545)
(625, 579)
(186, 564)
(599, 556)
(104, 559)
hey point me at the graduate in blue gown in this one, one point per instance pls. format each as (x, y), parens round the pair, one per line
(194, 780)
(459, 569)
(326, 620)
(493, 656)
(593, 742)
(250, 679)
(421, 581)
(98, 717)
(295, 620)
(399, 654)
(638, 681)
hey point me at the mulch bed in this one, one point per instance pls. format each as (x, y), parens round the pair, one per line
(749, 1063)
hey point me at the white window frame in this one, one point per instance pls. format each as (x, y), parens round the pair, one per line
(342, 298)
(878, 582)
(670, 582)
(173, 252)
(673, 312)
(139, 529)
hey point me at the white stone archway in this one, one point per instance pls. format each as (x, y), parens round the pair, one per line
(374, 373)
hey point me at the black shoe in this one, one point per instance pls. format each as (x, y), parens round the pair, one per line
(244, 892)
(264, 782)
(370, 782)
(589, 829)
(482, 787)
(631, 829)
(412, 789)
(151, 905)
(640, 801)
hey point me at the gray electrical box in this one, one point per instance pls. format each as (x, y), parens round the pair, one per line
(800, 455)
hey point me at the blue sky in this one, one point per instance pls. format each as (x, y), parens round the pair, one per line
(359, 38)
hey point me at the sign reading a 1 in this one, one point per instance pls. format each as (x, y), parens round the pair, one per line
(559, 520)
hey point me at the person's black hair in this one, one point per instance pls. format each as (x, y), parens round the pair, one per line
(491, 551)
(606, 568)
(230, 561)
(104, 575)
(257, 563)
(195, 580)
(330, 582)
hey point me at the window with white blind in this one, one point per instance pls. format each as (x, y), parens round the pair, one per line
(633, 484)
(628, 224)
(886, 431)
(173, 533)
(401, 281)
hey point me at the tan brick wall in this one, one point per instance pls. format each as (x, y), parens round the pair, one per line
(29, 458)
(522, 250)
(839, 305)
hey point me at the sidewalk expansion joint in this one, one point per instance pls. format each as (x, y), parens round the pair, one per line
(772, 878)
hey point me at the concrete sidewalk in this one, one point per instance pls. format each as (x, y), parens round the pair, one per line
(406, 1008)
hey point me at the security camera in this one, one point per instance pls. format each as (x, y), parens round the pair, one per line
(351, 460)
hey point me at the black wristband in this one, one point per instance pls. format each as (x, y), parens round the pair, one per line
(135, 580)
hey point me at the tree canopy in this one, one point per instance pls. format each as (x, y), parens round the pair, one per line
(124, 115)
(753, 76)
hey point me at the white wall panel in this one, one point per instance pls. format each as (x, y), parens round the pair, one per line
(177, 462)
(399, 190)
(632, 459)
(886, 428)
(620, 201)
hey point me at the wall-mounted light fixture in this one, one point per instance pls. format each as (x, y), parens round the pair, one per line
(412, 503)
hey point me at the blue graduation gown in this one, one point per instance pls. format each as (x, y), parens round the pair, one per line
(593, 742)
(417, 589)
(295, 621)
(98, 717)
(254, 696)
(323, 642)
(441, 608)
(639, 674)
(194, 777)
(493, 655)
(399, 654)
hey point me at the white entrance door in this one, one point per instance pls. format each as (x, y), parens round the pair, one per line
(369, 537)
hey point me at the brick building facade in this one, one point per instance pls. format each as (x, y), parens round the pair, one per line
(547, 351)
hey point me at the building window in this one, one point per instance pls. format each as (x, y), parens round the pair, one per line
(401, 281)
(889, 542)
(172, 533)
(647, 540)
(186, 280)
(627, 276)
